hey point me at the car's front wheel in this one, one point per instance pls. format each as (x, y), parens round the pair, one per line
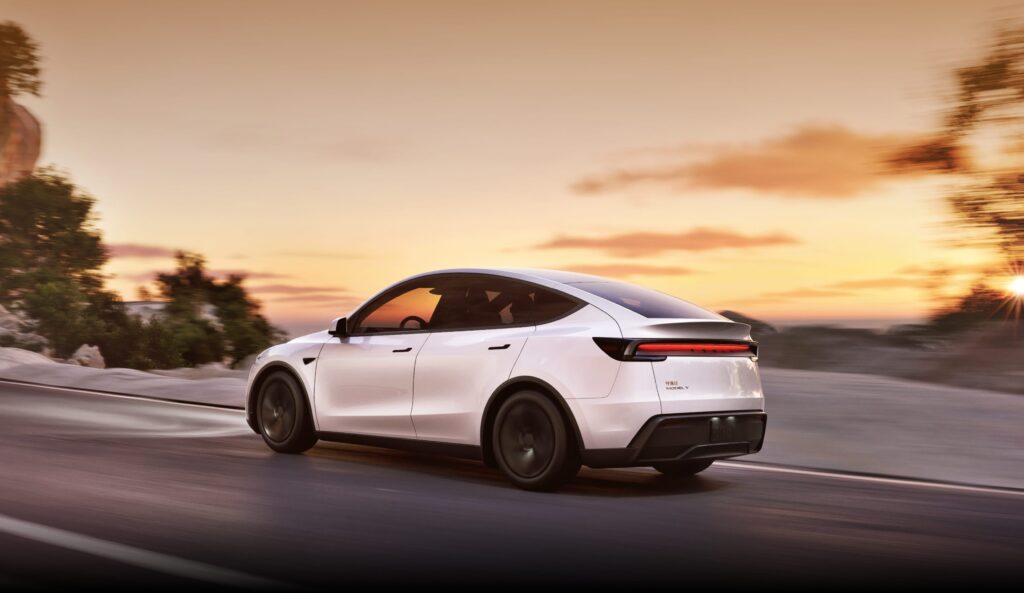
(283, 416)
(682, 469)
(532, 445)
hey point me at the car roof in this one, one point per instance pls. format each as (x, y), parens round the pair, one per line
(566, 282)
(556, 279)
(556, 276)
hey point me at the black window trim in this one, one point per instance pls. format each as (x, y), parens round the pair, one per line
(366, 308)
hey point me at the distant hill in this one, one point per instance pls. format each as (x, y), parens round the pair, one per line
(757, 327)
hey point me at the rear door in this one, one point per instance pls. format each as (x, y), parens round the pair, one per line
(481, 326)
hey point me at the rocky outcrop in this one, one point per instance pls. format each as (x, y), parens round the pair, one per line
(21, 138)
(12, 332)
(88, 356)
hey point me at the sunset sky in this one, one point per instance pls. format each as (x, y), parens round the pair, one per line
(725, 152)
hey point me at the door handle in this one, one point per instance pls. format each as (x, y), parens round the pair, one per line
(505, 347)
(403, 349)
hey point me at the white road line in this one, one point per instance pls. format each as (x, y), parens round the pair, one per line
(779, 469)
(721, 464)
(145, 398)
(154, 561)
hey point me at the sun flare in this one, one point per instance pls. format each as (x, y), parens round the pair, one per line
(1017, 286)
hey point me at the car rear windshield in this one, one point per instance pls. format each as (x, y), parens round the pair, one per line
(644, 301)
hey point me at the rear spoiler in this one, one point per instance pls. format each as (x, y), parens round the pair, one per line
(698, 329)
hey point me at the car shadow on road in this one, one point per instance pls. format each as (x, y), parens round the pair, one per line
(632, 482)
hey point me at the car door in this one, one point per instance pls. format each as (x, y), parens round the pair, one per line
(364, 382)
(481, 326)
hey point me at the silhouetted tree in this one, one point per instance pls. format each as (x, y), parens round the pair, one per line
(19, 71)
(50, 258)
(19, 62)
(212, 319)
(47, 235)
(981, 304)
(989, 98)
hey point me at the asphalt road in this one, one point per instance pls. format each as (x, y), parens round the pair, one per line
(101, 490)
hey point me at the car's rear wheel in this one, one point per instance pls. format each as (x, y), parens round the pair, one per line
(532, 445)
(282, 414)
(682, 469)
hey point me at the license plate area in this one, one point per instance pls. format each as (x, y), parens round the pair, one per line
(731, 429)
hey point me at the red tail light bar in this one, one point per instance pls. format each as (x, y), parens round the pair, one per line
(654, 350)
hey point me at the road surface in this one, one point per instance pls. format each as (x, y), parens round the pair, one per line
(109, 490)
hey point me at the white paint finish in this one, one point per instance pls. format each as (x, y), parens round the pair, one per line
(564, 355)
(708, 383)
(363, 386)
(439, 389)
(684, 329)
(613, 421)
(291, 354)
(137, 557)
(456, 372)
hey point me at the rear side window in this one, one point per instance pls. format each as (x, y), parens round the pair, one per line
(482, 302)
(644, 301)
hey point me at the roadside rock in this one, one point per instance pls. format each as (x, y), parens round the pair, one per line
(12, 334)
(246, 363)
(88, 356)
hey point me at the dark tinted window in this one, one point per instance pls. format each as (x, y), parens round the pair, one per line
(479, 302)
(646, 302)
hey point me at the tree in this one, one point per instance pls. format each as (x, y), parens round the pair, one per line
(987, 107)
(50, 259)
(19, 62)
(213, 319)
(47, 235)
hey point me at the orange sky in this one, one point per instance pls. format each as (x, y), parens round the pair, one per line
(721, 151)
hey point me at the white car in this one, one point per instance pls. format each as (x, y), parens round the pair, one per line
(533, 371)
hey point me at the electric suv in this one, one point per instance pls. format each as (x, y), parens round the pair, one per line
(536, 372)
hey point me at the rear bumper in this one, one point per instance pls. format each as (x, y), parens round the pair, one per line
(677, 437)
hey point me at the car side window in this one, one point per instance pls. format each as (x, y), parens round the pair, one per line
(491, 302)
(411, 310)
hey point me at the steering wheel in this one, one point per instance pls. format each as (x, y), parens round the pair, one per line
(422, 322)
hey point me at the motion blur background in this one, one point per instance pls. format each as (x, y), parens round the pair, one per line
(803, 163)
(185, 183)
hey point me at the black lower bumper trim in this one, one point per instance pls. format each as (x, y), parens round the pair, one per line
(676, 437)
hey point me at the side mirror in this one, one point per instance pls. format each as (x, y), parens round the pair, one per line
(339, 327)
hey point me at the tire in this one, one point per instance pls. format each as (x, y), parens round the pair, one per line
(532, 445)
(282, 414)
(683, 469)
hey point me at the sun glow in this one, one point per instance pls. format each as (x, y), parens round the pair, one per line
(1017, 286)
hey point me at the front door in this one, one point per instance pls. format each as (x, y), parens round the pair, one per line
(364, 382)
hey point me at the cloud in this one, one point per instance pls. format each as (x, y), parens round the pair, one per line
(840, 289)
(220, 274)
(939, 270)
(293, 289)
(643, 243)
(249, 275)
(319, 299)
(139, 250)
(318, 255)
(626, 270)
(805, 293)
(896, 282)
(812, 161)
